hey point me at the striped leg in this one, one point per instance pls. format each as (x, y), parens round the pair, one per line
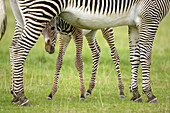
(17, 34)
(95, 49)
(135, 61)
(78, 39)
(20, 52)
(145, 44)
(63, 43)
(108, 35)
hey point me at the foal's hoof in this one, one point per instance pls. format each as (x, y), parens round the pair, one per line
(139, 99)
(49, 98)
(154, 100)
(88, 94)
(122, 96)
(82, 98)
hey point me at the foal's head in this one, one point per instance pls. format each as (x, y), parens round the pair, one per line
(50, 36)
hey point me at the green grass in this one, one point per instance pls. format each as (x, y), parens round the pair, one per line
(39, 71)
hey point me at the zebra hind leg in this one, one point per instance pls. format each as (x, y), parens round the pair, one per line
(145, 43)
(78, 39)
(95, 49)
(135, 61)
(109, 36)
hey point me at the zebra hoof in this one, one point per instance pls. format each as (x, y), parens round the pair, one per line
(122, 96)
(15, 101)
(82, 99)
(25, 103)
(49, 98)
(87, 94)
(154, 100)
(139, 99)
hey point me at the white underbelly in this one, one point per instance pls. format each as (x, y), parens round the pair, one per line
(85, 20)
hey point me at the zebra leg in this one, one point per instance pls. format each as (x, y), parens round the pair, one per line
(17, 34)
(78, 39)
(135, 61)
(145, 44)
(95, 49)
(63, 43)
(20, 51)
(108, 35)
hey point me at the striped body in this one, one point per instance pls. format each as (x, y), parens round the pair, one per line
(141, 16)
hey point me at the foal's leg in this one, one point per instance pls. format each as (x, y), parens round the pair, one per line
(135, 61)
(108, 35)
(95, 49)
(78, 39)
(63, 43)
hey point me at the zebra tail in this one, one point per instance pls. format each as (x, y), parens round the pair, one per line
(3, 19)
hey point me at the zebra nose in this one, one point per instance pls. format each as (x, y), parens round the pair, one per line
(52, 50)
(48, 47)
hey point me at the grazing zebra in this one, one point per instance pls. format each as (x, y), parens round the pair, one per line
(3, 19)
(141, 16)
(66, 32)
(65, 29)
(49, 31)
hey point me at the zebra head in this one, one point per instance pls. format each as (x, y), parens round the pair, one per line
(50, 36)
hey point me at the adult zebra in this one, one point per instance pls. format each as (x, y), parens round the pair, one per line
(66, 30)
(3, 19)
(141, 16)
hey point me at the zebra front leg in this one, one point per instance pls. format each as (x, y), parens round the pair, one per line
(20, 51)
(63, 43)
(95, 49)
(109, 36)
(145, 44)
(17, 34)
(135, 61)
(78, 39)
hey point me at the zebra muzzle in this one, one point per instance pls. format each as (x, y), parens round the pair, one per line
(49, 47)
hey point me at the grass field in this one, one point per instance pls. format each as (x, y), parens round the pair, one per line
(39, 71)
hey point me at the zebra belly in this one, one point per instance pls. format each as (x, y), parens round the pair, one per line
(86, 20)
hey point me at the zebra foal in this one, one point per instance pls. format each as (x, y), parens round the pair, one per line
(141, 16)
(68, 31)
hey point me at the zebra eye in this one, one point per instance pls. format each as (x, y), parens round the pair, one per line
(52, 28)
